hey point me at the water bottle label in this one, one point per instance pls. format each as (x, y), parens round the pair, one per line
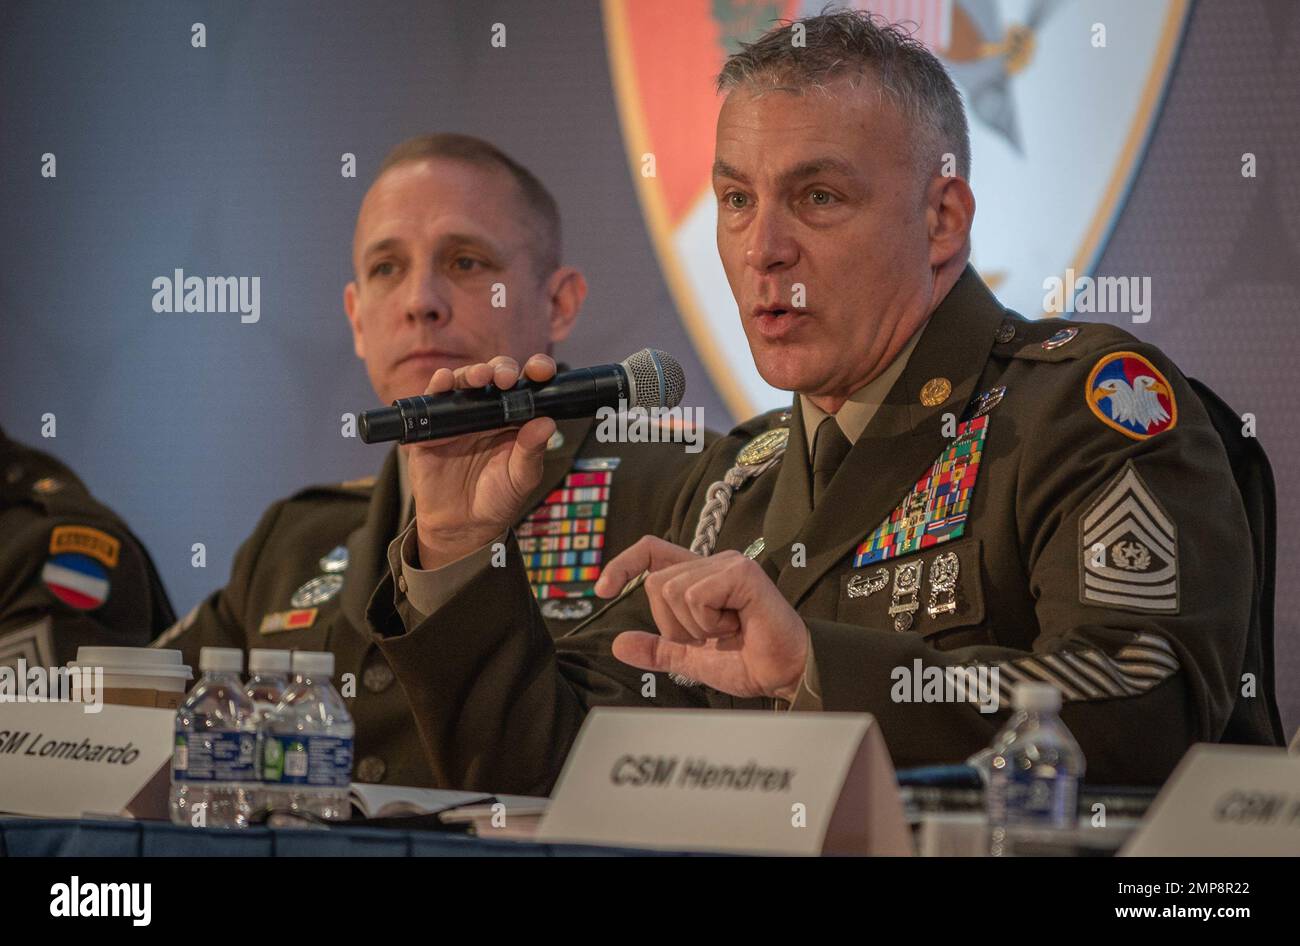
(1021, 798)
(214, 757)
(324, 761)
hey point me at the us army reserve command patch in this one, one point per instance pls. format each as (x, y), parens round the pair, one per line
(1128, 549)
(563, 540)
(1129, 394)
(935, 510)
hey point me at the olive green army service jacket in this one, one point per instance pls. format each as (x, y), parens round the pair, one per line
(302, 580)
(1047, 500)
(71, 572)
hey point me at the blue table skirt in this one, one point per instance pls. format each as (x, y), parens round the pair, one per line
(31, 837)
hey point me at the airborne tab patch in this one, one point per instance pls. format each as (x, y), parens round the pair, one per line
(1128, 549)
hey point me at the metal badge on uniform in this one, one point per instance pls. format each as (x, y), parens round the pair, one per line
(317, 591)
(935, 392)
(906, 598)
(597, 463)
(47, 486)
(1128, 549)
(755, 548)
(1126, 392)
(986, 401)
(567, 609)
(864, 586)
(763, 446)
(335, 560)
(1063, 337)
(556, 441)
(278, 621)
(943, 584)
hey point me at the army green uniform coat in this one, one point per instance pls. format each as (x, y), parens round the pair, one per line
(292, 545)
(1112, 563)
(71, 572)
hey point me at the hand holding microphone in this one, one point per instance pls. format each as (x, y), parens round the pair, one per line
(471, 469)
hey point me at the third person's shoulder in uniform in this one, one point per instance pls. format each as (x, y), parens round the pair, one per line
(71, 572)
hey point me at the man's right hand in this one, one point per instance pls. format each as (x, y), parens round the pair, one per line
(469, 490)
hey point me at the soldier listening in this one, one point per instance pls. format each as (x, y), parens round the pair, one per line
(450, 230)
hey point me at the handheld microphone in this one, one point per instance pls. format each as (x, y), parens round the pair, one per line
(646, 379)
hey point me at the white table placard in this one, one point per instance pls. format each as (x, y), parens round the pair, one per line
(1224, 801)
(752, 782)
(58, 761)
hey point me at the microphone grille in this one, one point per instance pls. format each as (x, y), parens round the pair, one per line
(656, 379)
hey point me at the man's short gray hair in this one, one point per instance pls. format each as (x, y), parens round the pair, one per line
(852, 43)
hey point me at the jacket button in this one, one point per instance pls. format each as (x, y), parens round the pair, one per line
(371, 769)
(1006, 332)
(377, 676)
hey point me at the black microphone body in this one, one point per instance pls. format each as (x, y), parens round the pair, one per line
(578, 393)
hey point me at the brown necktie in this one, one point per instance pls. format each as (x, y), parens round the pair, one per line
(830, 447)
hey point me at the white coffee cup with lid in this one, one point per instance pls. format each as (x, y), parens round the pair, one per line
(136, 676)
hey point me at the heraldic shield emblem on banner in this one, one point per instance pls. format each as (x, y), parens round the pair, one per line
(1059, 123)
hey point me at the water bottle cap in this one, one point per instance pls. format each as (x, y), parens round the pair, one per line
(265, 660)
(1037, 697)
(220, 659)
(314, 663)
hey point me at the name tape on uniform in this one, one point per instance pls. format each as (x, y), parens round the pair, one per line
(753, 782)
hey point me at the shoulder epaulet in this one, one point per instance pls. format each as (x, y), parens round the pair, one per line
(760, 423)
(33, 476)
(1055, 340)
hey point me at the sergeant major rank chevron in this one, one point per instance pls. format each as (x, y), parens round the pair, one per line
(1128, 549)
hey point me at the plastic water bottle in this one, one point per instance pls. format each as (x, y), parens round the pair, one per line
(1035, 770)
(215, 746)
(307, 752)
(268, 678)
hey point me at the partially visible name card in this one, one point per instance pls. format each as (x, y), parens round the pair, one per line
(751, 782)
(1225, 800)
(58, 761)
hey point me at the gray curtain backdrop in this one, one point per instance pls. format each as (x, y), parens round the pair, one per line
(225, 161)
